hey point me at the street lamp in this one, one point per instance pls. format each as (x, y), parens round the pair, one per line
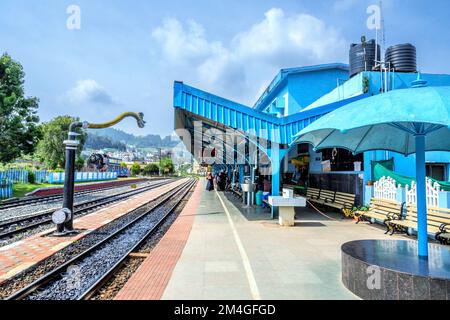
(64, 218)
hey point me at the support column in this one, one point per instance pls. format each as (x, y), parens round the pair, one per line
(276, 156)
(234, 174)
(241, 173)
(422, 229)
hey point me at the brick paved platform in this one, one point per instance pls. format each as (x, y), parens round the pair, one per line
(23, 254)
(151, 278)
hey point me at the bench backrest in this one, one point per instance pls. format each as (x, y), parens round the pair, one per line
(346, 199)
(327, 195)
(312, 192)
(385, 207)
(435, 216)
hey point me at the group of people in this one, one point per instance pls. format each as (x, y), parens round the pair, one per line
(218, 181)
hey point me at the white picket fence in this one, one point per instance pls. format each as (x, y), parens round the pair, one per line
(433, 189)
(386, 188)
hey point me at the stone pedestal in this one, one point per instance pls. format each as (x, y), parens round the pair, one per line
(287, 216)
(392, 270)
(287, 209)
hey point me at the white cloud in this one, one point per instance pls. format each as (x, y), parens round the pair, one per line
(89, 91)
(239, 69)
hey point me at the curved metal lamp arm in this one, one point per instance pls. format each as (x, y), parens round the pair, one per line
(86, 125)
(138, 116)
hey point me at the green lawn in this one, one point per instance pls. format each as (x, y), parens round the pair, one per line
(20, 190)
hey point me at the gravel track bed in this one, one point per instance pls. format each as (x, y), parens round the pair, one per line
(28, 276)
(81, 276)
(27, 233)
(130, 265)
(11, 213)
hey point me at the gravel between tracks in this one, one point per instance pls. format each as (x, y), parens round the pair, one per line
(28, 276)
(110, 289)
(11, 213)
(38, 229)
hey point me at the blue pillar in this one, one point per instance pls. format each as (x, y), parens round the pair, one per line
(276, 156)
(233, 172)
(421, 197)
(241, 173)
(276, 176)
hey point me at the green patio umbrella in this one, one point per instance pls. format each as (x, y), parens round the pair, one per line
(407, 121)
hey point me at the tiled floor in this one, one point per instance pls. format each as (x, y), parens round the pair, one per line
(233, 255)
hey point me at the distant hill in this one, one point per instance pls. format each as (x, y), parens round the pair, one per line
(119, 137)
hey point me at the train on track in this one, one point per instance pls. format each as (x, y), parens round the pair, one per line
(106, 163)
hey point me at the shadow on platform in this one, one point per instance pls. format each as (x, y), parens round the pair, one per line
(304, 216)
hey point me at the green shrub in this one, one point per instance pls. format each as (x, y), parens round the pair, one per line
(135, 169)
(31, 177)
(151, 169)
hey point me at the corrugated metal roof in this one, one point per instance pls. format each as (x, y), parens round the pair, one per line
(284, 73)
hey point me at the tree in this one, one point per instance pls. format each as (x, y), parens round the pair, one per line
(167, 166)
(151, 169)
(51, 148)
(79, 163)
(135, 169)
(18, 114)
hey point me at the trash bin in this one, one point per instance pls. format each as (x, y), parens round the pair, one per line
(259, 198)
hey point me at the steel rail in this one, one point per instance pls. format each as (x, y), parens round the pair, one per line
(28, 201)
(81, 208)
(49, 276)
(88, 293)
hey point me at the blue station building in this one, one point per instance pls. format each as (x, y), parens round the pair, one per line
(294, 99)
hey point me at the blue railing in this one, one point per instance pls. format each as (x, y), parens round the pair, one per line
(6, 189)
(41, 176)
(58, 177)
(14, 175)
(21, 175)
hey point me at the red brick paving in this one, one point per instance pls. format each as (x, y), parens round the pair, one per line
(151, 278)
(23, 254)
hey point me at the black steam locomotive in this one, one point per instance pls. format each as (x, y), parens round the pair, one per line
(105, 163)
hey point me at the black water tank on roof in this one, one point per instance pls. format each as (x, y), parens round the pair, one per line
(402, 57)
(362, 56)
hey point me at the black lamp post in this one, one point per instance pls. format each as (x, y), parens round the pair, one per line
(64, 218)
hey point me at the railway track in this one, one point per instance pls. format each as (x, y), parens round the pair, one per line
(81, 276)
(45, 199)
(12, 228)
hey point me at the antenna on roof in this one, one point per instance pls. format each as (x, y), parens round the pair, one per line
(383, 29)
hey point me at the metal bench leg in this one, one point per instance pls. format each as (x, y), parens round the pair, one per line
(386, 222)
(392, 229)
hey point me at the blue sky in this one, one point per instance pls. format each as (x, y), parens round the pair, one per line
(128, 53)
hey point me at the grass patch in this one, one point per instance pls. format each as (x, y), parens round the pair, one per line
(20, 190)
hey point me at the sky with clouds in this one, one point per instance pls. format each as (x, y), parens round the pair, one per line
(127, 54)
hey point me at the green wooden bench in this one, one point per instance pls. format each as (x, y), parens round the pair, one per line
(336, 200)
(438, 221)
(380, 209)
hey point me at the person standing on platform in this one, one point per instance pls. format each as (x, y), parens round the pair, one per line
(210, 182)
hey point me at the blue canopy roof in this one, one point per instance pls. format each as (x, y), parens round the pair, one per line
(386, 122)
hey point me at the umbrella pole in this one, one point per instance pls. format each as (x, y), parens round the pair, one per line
(421, 197)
